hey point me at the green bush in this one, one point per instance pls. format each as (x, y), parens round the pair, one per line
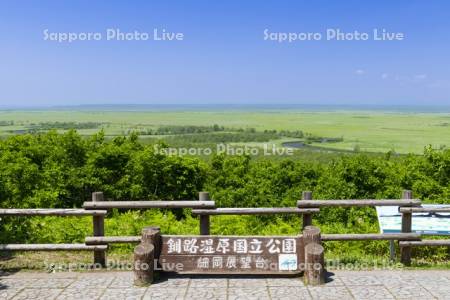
(62, 170)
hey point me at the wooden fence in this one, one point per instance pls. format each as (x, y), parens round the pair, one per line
(98, 209)
(204, 208)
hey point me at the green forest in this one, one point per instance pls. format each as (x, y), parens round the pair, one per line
(54, 170)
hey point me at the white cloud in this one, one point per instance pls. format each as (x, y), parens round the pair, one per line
(360, 72)
(384, 76)
(420, 76)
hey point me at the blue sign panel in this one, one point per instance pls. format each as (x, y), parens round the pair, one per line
(390, 220)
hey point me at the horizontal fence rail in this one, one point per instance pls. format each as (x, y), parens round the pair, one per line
(424, 209)
(425, 243)
(371, 237)
(255, 211)
(100, 240)
(358, 203)
(50, 212)
(148, 204)
(92, 240)
(51, 247)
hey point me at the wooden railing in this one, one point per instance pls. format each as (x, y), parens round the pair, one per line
(407, 206)
(98, 209)
(406, 246)
(204, 208)
(306, 208)
(53, 212)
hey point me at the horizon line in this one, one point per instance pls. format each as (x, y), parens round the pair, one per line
(418, 108)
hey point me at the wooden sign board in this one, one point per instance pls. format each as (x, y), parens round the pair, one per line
(232, 254)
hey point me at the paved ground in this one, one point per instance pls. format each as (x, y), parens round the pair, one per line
(422, 285)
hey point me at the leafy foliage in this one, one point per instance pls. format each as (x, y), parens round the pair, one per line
(62, 170)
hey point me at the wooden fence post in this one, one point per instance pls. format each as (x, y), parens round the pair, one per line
(204, 219)
(99, 230)
(311, 234)
(307, 218)
(314, 256)
(145, 254)
(406, 228)
(315, 264)
(152, 235)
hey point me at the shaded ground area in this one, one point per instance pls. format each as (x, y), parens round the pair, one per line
(118, 285)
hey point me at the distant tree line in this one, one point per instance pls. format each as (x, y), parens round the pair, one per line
(6, 123)
(64, 125)
(248, 134)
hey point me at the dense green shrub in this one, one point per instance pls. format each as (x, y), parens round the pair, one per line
(62, 170)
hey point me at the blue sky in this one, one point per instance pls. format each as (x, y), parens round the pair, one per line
(223, 58)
